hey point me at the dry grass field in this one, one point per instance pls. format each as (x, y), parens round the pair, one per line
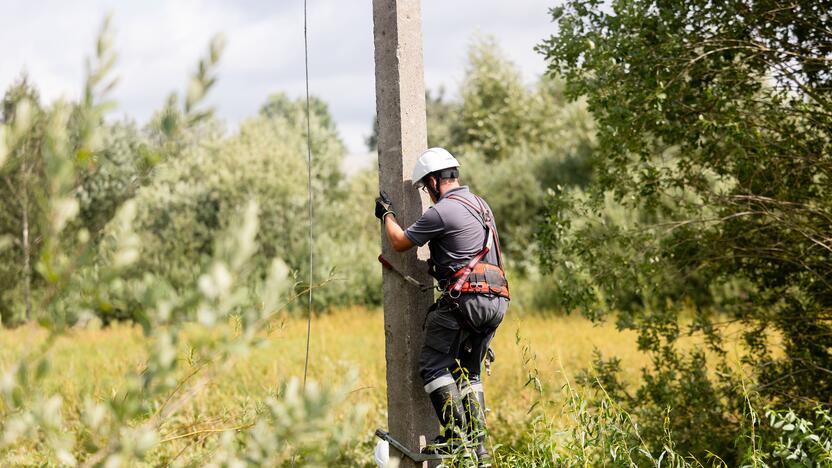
(347, 348)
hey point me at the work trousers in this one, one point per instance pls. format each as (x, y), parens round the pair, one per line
(457, 335)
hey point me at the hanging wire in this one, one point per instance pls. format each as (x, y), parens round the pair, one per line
(309, 192)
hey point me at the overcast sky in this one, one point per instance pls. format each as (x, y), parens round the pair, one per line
(160, 41)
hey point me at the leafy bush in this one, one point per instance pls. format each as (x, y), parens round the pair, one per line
(708, 124)
(591, 427)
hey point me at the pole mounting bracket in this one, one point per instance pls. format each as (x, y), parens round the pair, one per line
(415, 456)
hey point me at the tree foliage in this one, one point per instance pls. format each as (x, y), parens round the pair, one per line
(197, 194)
(713, 123)
(515, 141)
(80, 274)
(22, 179)
(494, 103)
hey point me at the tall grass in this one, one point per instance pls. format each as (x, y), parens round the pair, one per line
(91, 362)
(538, 416)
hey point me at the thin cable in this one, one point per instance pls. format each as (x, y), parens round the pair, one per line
(309, 190)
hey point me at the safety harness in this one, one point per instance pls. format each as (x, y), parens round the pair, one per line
(477, 276)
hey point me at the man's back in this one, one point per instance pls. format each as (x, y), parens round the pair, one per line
(454, 229)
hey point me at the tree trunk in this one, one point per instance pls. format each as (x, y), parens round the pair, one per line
(27, 266)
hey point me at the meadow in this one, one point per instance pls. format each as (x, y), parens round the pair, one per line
(347, 348)
(698, 222)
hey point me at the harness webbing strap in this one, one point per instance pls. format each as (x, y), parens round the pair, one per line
(490, 235)
(466, 271)
(485, 219)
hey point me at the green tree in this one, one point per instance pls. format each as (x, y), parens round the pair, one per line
(713, 123)
(516, 142)
(194, 195)
(441, 115)
(122, 166)
(495, 103)
(21, 191)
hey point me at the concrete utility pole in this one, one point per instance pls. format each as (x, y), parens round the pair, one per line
(402, 136)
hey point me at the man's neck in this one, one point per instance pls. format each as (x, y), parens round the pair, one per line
(445, 188)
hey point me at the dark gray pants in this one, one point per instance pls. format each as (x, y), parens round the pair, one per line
(461, 334)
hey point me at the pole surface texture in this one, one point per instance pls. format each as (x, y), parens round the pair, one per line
(402, 136)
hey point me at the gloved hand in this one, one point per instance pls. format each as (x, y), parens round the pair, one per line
(384, 206)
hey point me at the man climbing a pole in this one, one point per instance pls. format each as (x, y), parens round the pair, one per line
(466, 261)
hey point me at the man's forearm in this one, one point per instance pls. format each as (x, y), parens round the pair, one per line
(395, 234)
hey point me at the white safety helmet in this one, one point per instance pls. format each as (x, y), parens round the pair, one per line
(432, 160)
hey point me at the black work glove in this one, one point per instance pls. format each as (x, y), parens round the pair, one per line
(384, 205)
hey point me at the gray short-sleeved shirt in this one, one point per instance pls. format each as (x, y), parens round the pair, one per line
(455, 233)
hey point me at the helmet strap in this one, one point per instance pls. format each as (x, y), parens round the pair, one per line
(438, 177)
(433, 189)
(450, 173)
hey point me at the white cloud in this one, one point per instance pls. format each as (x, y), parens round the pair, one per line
(159, 43)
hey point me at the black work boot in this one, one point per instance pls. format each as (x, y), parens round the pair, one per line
(474, 404)
(447, 403)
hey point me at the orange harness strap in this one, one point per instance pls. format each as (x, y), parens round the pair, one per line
(485, 278)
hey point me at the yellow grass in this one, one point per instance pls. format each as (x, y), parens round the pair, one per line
(93, 362)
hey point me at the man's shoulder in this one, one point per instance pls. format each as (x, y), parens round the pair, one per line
(465, 194)
(430, 212)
